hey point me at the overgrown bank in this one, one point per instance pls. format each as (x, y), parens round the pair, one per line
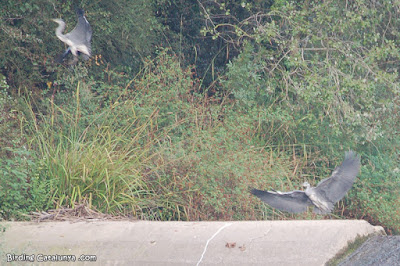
(159, 144)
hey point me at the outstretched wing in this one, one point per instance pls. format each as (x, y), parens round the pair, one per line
(82, 33)
(88, 30)
(293, 201)
(336, 186)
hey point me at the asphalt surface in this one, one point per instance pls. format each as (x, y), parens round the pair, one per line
(311, 242)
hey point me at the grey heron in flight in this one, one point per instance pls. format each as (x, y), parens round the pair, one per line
(323, 196)
(78, 40)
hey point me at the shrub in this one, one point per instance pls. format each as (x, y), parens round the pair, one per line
(22, 189)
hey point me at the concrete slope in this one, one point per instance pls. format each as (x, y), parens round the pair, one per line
(311, 242)
(377, 250)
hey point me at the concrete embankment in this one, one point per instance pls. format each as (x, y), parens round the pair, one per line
(311, 242)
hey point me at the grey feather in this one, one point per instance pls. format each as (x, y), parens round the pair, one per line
(339, 183)
(294, 201)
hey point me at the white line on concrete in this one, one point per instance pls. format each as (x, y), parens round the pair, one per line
(208, 241)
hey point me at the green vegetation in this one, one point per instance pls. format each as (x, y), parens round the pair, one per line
(175, 121)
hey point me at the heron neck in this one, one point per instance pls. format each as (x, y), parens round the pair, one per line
(59, 31)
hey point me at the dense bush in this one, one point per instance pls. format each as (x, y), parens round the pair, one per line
(22, 188)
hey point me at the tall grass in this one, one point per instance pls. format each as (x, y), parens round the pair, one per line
(101, 162)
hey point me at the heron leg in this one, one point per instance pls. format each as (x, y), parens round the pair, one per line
(74, 61)
(66, 53)
(84, 56)
(60, 58)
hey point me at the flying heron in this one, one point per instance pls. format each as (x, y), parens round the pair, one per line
(323, 196)
(78, 40)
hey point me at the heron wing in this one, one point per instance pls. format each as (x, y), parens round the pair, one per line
(82, 33)
(88, 29)
(293, 201)
(89, 34)
(336, 186)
